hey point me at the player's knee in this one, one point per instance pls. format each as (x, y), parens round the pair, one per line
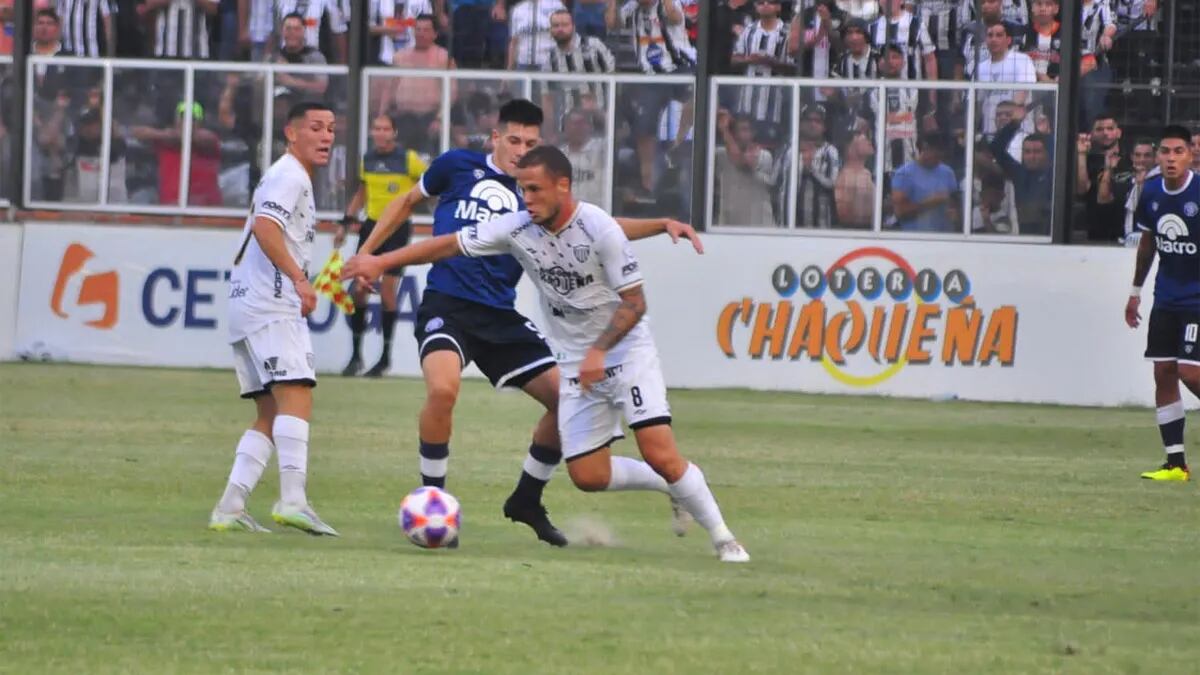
(589, 476)
(441, 396)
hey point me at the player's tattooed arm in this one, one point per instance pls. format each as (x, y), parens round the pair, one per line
(628, 314)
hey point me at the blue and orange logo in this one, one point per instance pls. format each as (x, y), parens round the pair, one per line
(871, 300)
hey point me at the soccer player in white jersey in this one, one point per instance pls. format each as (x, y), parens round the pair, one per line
(269, 296)
(591, 289)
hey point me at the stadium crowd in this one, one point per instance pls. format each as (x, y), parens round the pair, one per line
(832, 168)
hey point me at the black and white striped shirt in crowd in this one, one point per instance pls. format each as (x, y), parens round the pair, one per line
(582, 55)
(83, 26)
(908, 33)
(764, 104)
(944, 19)
(850, 67)
(1015, 11)
(181, 31)
(814, 188)
(1096, 17)
(1131, 17)
(661, 47)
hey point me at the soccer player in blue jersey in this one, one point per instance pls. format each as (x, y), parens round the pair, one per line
(1168, 214)
(467, 312)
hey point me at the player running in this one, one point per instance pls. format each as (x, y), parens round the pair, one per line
(467, 311)
(1169, 210)
(591, 289)
(387, 172)
(269, 296)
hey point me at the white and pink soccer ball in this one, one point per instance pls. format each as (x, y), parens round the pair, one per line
(430, 517)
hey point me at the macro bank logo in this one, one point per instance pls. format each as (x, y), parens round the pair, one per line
(868, 316)
(496, 199)
(76, 288)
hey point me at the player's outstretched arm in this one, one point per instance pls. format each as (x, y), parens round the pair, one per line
(270, 239)
(397, 211)
(368, 268)
(626, 316)
(1145, 257)
(644, 228)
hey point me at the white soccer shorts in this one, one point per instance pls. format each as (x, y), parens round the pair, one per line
(591, 420)
(281, 351)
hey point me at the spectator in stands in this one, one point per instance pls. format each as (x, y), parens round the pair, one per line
(902, 109)
(6, 27)
(1143, 160)
(902, 28)
(479, 33)
(1007, 111)
(1139, 46)
(311, 13)
(659, 34)
(574, 53)
(730, 18)
(1003, 64)
(225, 31)
(815, 34)
(52, 99)
(392, 24)
(1032, 177)
(295, 50)
(944, 21)
(1042, 42)
(974, 33)
(530, 42)
(867, 10)
(743, 169)
(587, 154)
(762, 51)
(1103, 178)
(1016, 12)
(818, 171)
(1097, 30)
(84, 167)
(1196, 152)
(854, 191)
(856, 60)
(925, 192)
(236, 107)
(203, 188)
(179, 27)
(995, 207)
(87, 27)
(415, 103)
(131, 39)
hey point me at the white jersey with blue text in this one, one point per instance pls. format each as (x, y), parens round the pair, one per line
(579, 272)
(258, 292)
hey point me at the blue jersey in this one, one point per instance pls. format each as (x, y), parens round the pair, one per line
(472, 190)
(1174, 219)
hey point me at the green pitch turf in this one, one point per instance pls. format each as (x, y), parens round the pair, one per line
(887, 536)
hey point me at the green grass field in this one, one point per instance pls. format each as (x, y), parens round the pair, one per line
(887, 536)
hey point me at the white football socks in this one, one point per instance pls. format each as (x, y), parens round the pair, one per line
(253, 452)
(632, 474)
(693, 493)
(291, 442)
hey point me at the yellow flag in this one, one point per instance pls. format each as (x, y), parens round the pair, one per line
(329, 283)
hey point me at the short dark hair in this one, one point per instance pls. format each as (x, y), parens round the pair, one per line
(550, 158)
(1176, 131)
(1143, 141)
(1002, 23)
(293, 15)
(1105, 116)
(47, 12)
(426, 17)
(1038, 138)
(891, 47)
(521, 111)
(298, 111)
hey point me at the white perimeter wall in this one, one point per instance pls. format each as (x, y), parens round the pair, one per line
(1036, 323)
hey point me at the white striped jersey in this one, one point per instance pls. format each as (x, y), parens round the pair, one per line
(1015, 11)
(1131, 17)
(661, 47)
(312, 11)
(900, 125)
(944, 19)
(83, 26)
(850, 67)
(763, 103)
(582, 55)
(262, 20)
(908, 33)
(181, 31)
(1097, 16)
(400, 13)
(814, 185)
(579, 272)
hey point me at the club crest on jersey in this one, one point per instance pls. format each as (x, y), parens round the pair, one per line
(1190, 209)
(582, 253)
(496, 199)
(478, 173)
(563, 280)
(434, 324)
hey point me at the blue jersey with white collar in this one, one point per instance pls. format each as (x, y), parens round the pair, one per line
(1174, 220)
(472, 190)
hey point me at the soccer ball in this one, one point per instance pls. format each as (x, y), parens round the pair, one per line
(430, 517)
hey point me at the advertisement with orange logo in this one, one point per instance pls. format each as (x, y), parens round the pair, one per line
(928, 319)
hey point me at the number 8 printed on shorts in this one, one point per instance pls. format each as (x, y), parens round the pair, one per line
(635, 395)
(1191, 332)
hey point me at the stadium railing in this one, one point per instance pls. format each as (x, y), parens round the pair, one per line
(133, 96)
(6, 66)
(972, 98)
